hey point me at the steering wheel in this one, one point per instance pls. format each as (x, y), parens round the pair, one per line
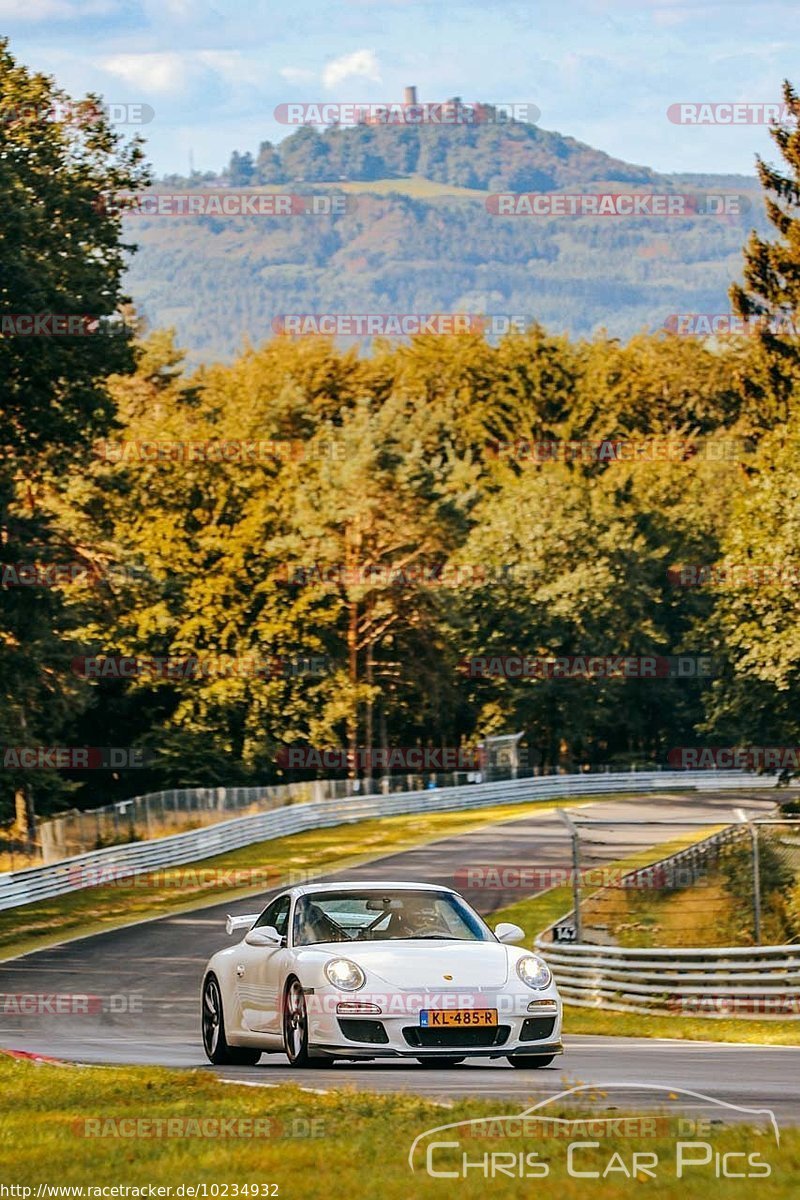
(428, 924)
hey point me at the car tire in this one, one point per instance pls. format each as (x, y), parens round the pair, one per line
(295, 1028)
(440, 1062)
(215, 1042)
(530, 1061)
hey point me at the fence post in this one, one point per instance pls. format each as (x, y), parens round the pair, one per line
(756, 884)
(576, 871)
(742, 816)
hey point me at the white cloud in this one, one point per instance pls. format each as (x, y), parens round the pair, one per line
(164, 72)
(361, 64)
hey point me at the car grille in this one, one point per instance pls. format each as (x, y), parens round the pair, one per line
(535, 1029)
(456, 1039)
(364, 1031)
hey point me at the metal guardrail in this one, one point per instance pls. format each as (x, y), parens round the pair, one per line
(86, 870)
(177, 810)
(742, 981)
(721, 982)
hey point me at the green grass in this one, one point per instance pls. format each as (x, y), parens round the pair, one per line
(536, 913)
(265, 864)
(410, 185)
(745, 1030)
(359, 1147)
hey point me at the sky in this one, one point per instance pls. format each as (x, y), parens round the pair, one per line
(602, 71)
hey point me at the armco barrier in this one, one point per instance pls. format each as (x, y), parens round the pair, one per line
(73, 874)
(742, 981)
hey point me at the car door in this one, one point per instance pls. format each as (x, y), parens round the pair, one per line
(260, 969)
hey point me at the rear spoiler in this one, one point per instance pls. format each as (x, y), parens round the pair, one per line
(234, 923)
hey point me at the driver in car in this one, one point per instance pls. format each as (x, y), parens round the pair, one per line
(417, 918)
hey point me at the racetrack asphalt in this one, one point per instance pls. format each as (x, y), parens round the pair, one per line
(151, 973)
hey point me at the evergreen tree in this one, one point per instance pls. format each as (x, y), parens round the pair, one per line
(771, 292)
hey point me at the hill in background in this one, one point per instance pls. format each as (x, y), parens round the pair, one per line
(418, 238)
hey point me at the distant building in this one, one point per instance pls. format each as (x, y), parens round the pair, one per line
(370, 118)
(472, 114)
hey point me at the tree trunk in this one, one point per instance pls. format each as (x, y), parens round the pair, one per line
(24, 795)
(369, 721)
(352, 669)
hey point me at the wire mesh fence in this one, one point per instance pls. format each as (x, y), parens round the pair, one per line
(180, 810)
(737, 885)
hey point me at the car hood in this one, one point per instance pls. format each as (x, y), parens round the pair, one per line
(418, 963)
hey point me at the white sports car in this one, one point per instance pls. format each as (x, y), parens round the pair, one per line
(369, 970)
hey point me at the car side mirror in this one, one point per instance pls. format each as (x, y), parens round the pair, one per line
(265, 935)
(506, 932)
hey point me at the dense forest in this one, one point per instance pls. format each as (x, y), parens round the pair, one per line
(384, 516)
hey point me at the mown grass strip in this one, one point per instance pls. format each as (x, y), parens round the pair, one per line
(100, 1126)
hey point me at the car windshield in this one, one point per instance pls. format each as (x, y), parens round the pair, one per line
(351, 916)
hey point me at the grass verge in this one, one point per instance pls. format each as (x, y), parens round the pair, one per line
(99, 1127)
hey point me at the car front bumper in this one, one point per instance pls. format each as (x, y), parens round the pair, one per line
(521, 1029)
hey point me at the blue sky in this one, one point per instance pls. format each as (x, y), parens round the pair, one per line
(604, 71)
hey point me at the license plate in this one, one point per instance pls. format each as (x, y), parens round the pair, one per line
(463, 1017)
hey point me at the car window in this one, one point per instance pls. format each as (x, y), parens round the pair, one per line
(351, 916)
(276, 914)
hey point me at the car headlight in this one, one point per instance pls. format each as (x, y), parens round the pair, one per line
(534, 971)
(344, 974)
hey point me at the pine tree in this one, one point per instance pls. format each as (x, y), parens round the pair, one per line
(771, 293)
